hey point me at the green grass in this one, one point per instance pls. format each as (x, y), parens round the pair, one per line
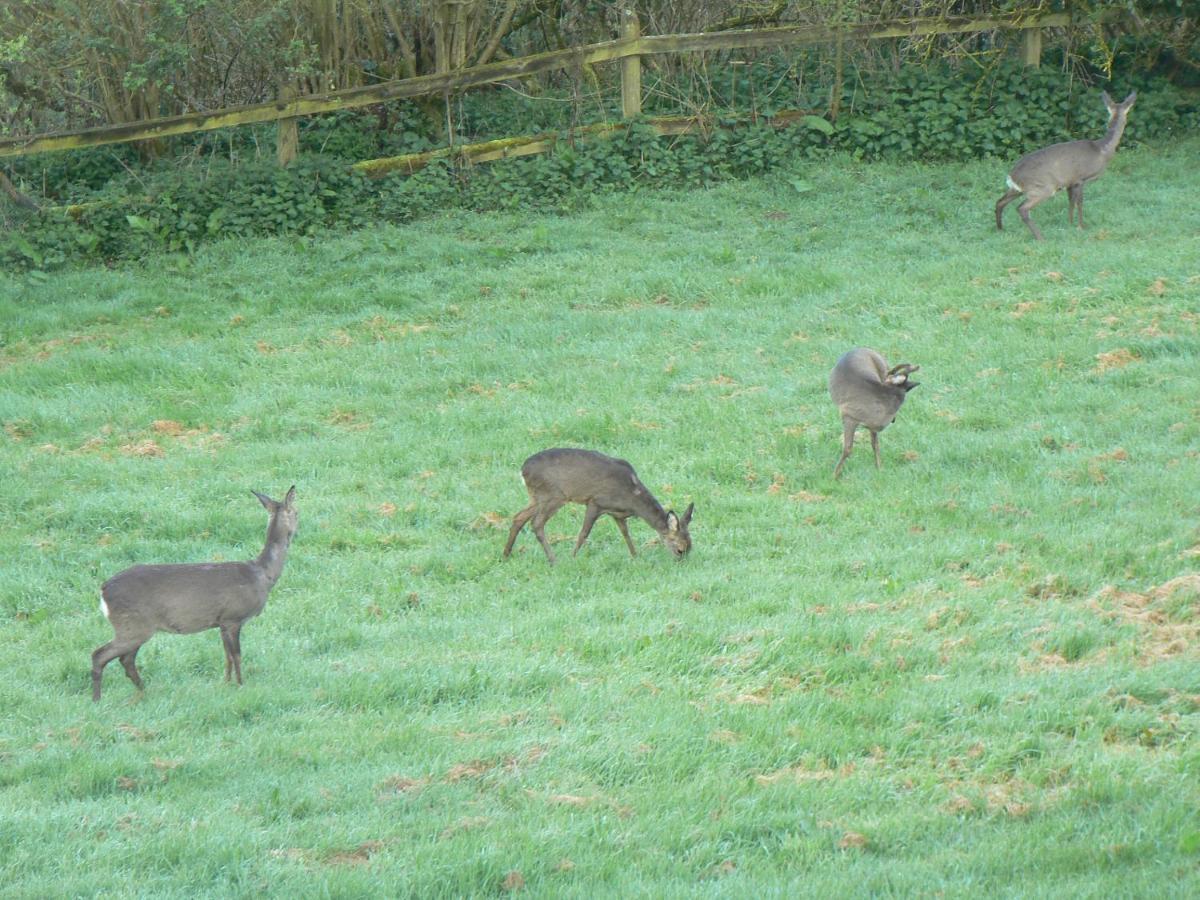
(961, 674)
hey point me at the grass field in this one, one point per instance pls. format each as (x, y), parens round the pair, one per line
(972, 672)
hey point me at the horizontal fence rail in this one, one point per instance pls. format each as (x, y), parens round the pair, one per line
(624, 48)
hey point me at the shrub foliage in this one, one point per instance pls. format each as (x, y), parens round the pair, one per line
(919, 114)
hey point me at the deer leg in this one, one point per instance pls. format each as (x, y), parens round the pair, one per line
(128, 661)
(540, 518)
(1009, 196)
(848, 428)
(875, 447)
(105, 654)
(625, 534)
(1075, 195)
(518, 523)
(1024, 209)
(227, 643)
(589, 519)
(235, 640)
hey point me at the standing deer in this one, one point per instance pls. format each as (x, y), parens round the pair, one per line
(867, 393)
(1043, 173)
(143, 600)
(604, 485)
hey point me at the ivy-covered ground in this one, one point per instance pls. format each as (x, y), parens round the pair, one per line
(972, 671)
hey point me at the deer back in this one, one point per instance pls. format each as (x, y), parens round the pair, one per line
(585, 476)
(185, 598)
(860, 388)
(1059, 165)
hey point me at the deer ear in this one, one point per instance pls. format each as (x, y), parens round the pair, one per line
(1108, 101)
(687, 513)
(1128, 101)
(265, 500)
(291, 496)
(908, 386)
(672, 521)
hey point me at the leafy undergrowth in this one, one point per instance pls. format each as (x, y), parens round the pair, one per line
(972, 670)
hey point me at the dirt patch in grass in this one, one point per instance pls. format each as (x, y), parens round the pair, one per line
(359, 856)
(1114, 359)
(1167, 616)
(400, 784)
(801, 773)
(479, 767)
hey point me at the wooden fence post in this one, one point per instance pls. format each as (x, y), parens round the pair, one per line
(287, 139)
(631, 67)
(1031, 47)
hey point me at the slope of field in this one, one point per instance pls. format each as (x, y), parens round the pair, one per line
(974, 670)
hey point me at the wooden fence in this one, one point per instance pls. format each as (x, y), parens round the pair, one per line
(627, 49)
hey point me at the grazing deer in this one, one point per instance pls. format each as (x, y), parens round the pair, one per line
(1043, 173)
(604, 485)
(867, 393)
(143, 600)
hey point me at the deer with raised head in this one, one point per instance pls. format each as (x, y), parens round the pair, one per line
(185, 598)
(604, 485)
(1043, 173)
(867, 393)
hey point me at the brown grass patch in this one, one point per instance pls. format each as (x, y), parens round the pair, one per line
(959, 805)
(479, 767)
(359, 856)
(146, 449)
(1168, 626)
(473, 769)
(801, 774)
(513, 881)
(807, 497)
(1114, 359)
(138, 734)
(399, 784)
(382, 328)
(852, 840)
(490, 520)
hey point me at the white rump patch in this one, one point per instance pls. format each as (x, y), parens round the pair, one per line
(104, 607)
(1012, 184)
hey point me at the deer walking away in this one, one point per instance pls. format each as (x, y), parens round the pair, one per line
(868, 393)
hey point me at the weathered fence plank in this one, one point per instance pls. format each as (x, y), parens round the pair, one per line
(631, 67)
(608, 51)
(506, 148)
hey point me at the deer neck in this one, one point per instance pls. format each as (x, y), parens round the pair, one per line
(1107, 145)
(651, 512)
(274, 553)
